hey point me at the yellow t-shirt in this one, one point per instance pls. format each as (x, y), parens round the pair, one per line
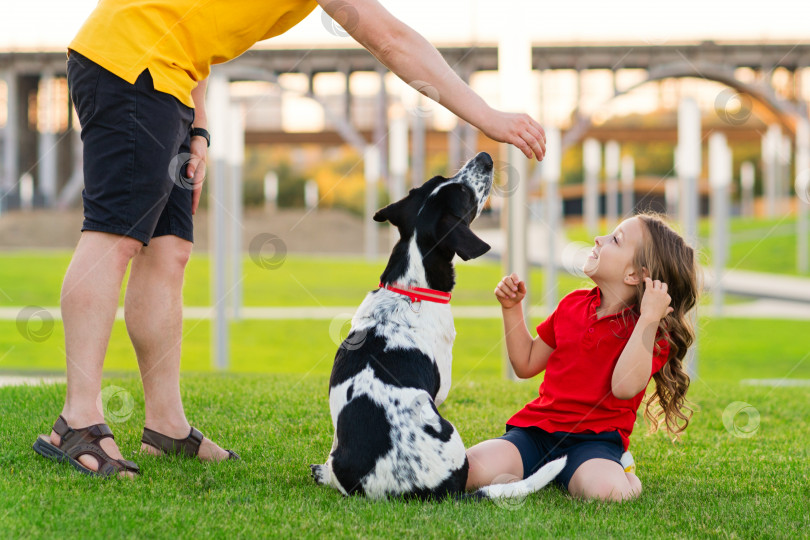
(179, 40)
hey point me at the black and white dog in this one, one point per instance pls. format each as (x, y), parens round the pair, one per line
(393, 369)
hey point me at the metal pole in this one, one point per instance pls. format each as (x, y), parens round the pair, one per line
(46, 143)
(514, 67)
(770, 168)
(688, 165)
(454, 147)
(418, 144)
(784, 153)
(11, 140)
(270, 191)
(802, 192)
(217, 107)
(592, 164)
(747, 189)
(719, 180)
(470, 139)
(397, 158)
(236, 137)
(381, 126)
(552, 170)
(612, 163)
(372, 173)
(628, 193)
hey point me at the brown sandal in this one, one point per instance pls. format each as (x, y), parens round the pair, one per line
(189, 446)
(81, 442)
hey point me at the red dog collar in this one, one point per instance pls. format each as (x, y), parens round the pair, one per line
(417, 294)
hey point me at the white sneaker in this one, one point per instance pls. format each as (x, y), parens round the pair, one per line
(628, 463)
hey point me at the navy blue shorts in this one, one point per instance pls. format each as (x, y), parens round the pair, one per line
(133, 137)
(538, 447)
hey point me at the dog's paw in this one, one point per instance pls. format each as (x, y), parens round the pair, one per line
(320, 474)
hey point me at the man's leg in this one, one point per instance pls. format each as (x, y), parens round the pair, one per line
(153, 310)
(89, 301)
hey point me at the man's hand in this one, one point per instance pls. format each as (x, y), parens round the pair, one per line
(196, 169)
(655, 302)
(518, 129)
(510, 291)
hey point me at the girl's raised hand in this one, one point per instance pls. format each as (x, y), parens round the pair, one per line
(510, 291)
(655, 302)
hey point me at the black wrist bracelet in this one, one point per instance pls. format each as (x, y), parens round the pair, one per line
(196, 131)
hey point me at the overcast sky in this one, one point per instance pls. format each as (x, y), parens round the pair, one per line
(50, 24)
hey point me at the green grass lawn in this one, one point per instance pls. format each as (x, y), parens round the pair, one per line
(35, 278)
(272, 409)
(729, 349)
(711, 484)
(759, 245)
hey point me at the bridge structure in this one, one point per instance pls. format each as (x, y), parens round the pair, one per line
(40, 162)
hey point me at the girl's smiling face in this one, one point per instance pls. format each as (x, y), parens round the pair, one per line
(611, 259)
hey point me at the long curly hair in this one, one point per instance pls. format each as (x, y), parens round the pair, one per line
(667, 257)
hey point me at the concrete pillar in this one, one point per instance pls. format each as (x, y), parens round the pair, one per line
(672, 195)
(11, 138)
(47, 126)
(719, 181)
(552, 170)
(628, 190)
(783, 185)
(612, 163)
(454, 148)
(381, 126)
(688, 166)
(747, 189)
(470, 136)
(372, 174)
(311, 195)
(514, 66)
(802, 186)
(347, 94)
(28, 136)
(217, 108)
(770, 168)
(418, 144)
(26, 191)
(236, 158)
(398, 159)
(73, 188)
(270, 191)
(592, 165)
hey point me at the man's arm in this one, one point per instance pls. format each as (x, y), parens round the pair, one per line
(406, 53)
(199, 146)
(198, 96)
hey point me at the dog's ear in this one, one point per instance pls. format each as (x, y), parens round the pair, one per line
(455, 234)
(393, 213)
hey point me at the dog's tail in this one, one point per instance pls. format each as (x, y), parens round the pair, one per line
(519, 490)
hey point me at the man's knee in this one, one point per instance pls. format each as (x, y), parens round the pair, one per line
(169, 253)
(121, 249)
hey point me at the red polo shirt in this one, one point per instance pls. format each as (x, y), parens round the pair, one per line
(575, 395)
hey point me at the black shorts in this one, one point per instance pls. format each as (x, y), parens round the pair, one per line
(538, 447)
(133, 135)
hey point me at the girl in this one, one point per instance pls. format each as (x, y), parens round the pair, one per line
(599, 350)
